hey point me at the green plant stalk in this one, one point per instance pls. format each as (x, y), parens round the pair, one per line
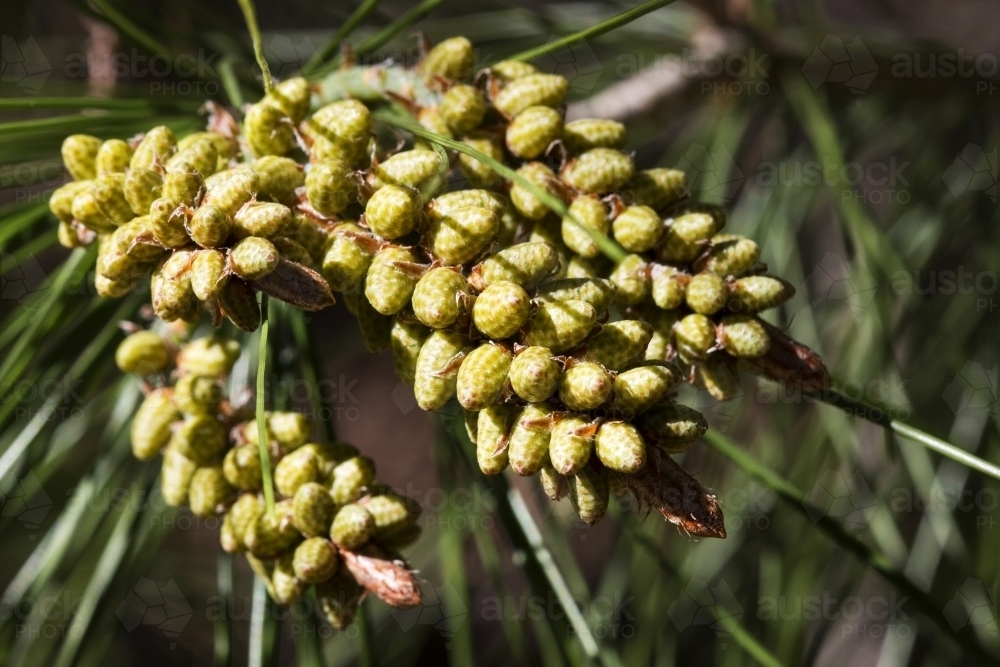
(69, 122)
(137, 34)
(794, 498)
(608, 25)
(250, 17)
(262, 440)
(231, 83)
(386, 34)
(741, 635)
(110, 104)
(331, 47)
(885, 417)
(399, 118)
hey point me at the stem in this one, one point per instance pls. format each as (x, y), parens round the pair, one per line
(331, 47)
(387, 33)
(612, 23)
(885, 417)
(397, 117)
(839, 535)
(250, 16)
(262, 441)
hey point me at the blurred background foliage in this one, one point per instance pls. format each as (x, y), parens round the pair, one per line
(856, 142)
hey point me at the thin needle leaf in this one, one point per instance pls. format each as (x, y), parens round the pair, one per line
(839, 535)
(330, 48)
(250, 16)
(262, 439)
(601, 28)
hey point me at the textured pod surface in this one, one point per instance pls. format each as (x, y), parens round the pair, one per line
(638, 228)
(686, 237)
(477, 173)
(175, 477)
(501, 310)
(142, 353)
(598, 292)
(744, 336)
(201, 439)
(586, 133)
(210, 226)
(534, 374)
(523, 200)
(234, 189)
(61, 201)
(718, 376)
(152, 422)
(315, 560)
(619, 343)
(244, 511)
(169, 223)
(554, 485)
(589, 493)
(528, 449)
(560, 325)
(668, 287)
(389, 287)
(253, 258)
(756, 293)
(632, 279)
(209, 355)
(452, 58)
(658, 188)
(462, 235)
(672, 427)
(532, 130)
(695, 336)
(525, 264)
(620, 446)
(313, 509)
(330, 187)
(298, 468)
(406, 340)
(351, 478)
(208, 274)
(414, 169)
(278, 177)
(109, 193)
(242, 467)
(270, 534)
(437, 297)
(437, 368)
(79, 154)
(155, 148)
(201, 154)
(585, 386)
(571, 444)
(342, 129)
(729, 255)
(706, 293)
(346, 262)
(482, 375)
(639, 389)
(393, 211)
(548, 90)
(209, 489)
(508, 70)
(493, 427)
(265, 219)
(268, 129)
(141, 188)
(463, 108)
(352, 526)
(183, 183)
(448, 203)
(586, 212)
(197, 394)
(339, 598)
(599, 170)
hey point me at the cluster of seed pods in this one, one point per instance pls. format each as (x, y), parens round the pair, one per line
(333, 525)
(209, 230)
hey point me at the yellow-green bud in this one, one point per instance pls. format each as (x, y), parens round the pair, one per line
(352, 526)
(585, 386)
(407, 339)
(534, 374)
(197, 394)
(463, 108)
(706, 293)
(631, 277)
(389, 286)
(571, 444)
(209, 489)
(560, 325)
(142, 353)
(315, 560)
(525, 264)
(242, 467)
(588, 491)
(313, 509)
(482, 376)
(393, 211)
(586, 211)
(599, 170)
(620, 447)
(533, 130)
(528, 449)
(586, 133)
(501, 310)
(492, 430)
(436, 373)
(638, 228)
(437, 297)
(547, 90)
(452, 58)
(639, 389)
(253, 258)
(152, 422)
